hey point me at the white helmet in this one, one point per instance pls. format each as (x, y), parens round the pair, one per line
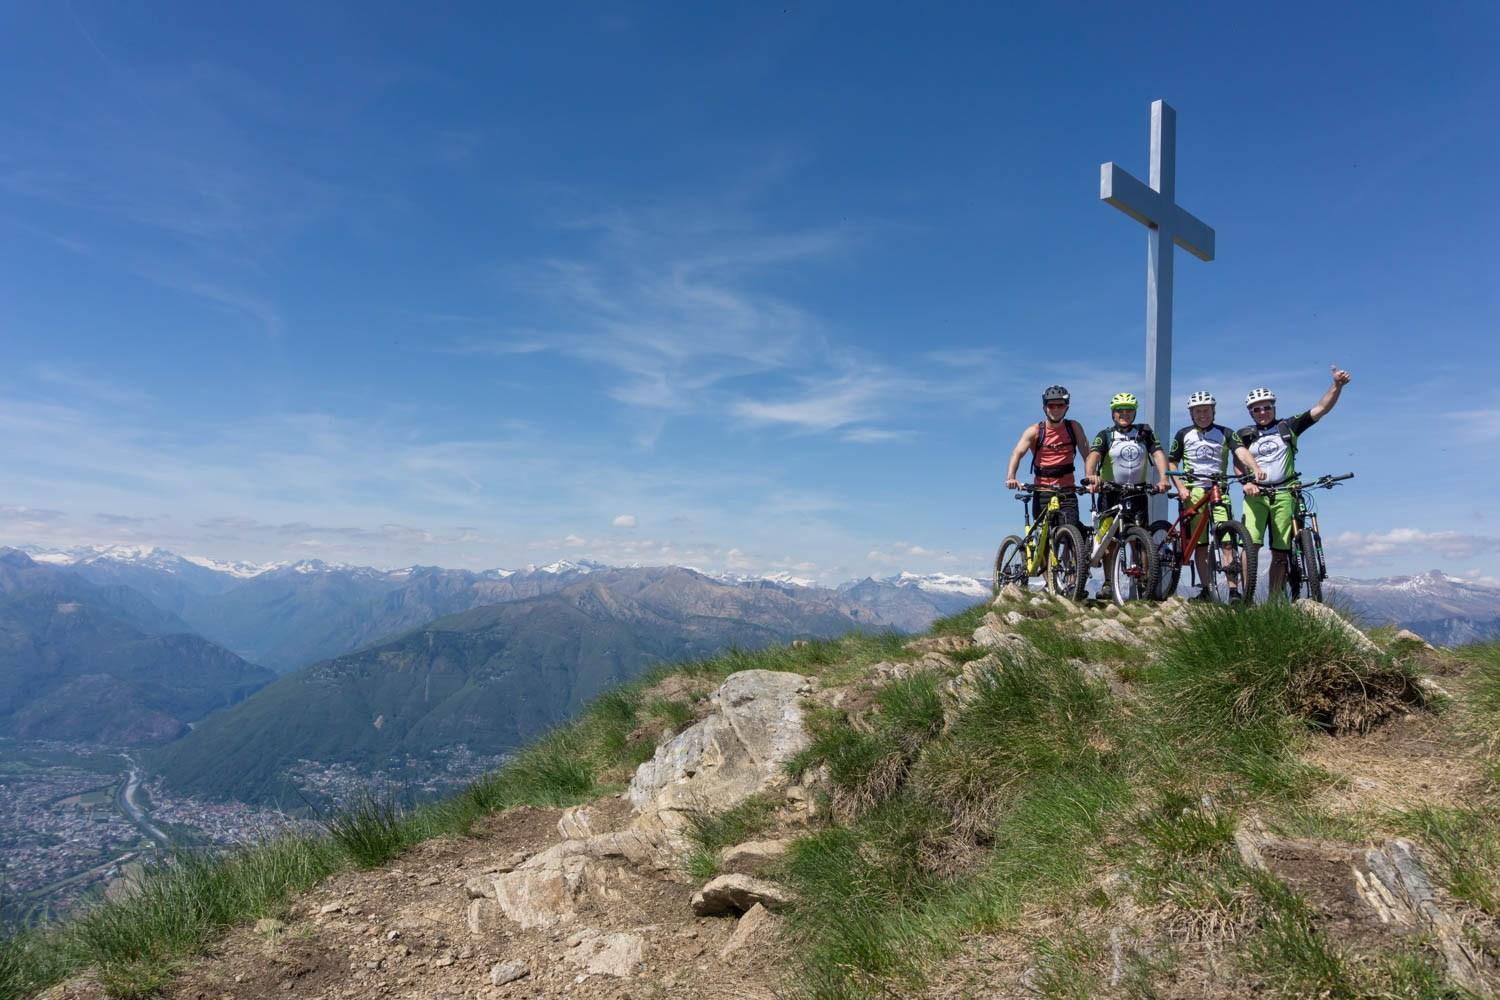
(1260, 396)
(1202, 398)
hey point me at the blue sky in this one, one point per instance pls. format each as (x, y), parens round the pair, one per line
(767, 288)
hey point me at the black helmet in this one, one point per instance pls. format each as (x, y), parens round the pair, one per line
(1053, 392)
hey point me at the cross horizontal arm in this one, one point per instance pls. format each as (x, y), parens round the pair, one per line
(1149, 208)
(1196, 237)
(1130, 196)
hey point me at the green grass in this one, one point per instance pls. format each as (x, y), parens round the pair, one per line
(1237, 691)
(1465, 843)
(1045, 779)
(711, 833)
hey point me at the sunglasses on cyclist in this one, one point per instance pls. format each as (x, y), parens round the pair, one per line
(1263, 408)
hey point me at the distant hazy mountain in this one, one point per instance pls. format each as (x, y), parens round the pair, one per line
(1443, 609)
(286, 616)
(75, 666)
(491, 678)
(20, 574)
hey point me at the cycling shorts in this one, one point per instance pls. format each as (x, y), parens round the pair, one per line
(1261, 513)
(1068, 502)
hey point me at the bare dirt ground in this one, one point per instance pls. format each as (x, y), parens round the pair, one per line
(403, 931)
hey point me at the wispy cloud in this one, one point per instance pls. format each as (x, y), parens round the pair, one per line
(1409, 541)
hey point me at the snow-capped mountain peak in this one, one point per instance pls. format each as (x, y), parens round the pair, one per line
(942, 583)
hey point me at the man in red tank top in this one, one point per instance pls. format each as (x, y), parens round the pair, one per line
(1053, 443)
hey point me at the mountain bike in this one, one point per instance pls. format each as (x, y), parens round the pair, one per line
(1232, 559)
(1305, 564)
(1130, 570)
(1050, 548)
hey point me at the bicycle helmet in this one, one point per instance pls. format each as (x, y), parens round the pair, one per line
(1124, 401)
(1260, 396)
(1202, 398)
(1056, 392)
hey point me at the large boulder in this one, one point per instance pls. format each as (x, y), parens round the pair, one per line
(736, 752)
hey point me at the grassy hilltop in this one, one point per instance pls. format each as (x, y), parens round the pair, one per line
(1158, 810)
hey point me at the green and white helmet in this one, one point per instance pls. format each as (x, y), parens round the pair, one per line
(1124, 401)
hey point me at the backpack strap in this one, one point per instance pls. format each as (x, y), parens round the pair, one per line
(1053, 470)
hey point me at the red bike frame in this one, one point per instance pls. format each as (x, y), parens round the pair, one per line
(1211, 496)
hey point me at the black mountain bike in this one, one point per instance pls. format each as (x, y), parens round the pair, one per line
(1051, 548)
(1306, 568)
(1130, 569)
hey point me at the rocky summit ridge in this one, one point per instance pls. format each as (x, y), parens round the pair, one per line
(748, 817)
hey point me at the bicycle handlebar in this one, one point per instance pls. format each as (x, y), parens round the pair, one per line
(1122, 487)
(1321, 483)
(1216, 477)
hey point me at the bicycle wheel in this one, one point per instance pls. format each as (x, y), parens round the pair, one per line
(1010, 564)
(1168, 559)
(1232, 562)
(1132, 571)
(1306, 553)
(1067, 565)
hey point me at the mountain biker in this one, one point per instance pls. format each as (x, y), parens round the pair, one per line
(1052, 444)
(1203, 448)
(1273, 442)
(1123, 450)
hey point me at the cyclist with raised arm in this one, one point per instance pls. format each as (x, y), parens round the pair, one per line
(1120, 454)
(1274, 442)
(1203, 448)
(1052, 442)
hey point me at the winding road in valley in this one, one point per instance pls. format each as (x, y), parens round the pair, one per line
(134, 812)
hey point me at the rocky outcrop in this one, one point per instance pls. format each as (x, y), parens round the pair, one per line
(740, 749)
(736, 752)
(737, 894)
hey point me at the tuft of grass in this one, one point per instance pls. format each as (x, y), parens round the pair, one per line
(138, 943)
(710, 833)
(1243, 683)
(371, 831)
(1466, 845)
(1002, 809)
(675, 714)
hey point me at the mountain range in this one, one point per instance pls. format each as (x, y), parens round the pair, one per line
(489, 679)
(101, 664)
(131, 645)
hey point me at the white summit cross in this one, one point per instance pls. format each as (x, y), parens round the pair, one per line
(1156, 207)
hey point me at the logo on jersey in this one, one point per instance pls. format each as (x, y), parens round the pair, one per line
(1206, 452)
(1267, 446)
(1130, 453)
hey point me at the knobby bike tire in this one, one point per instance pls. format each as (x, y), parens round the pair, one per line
(1067, 562)
(1132, 569)
(1168, 559)
(1246, 556)
(1010, 564)
(1307, 550)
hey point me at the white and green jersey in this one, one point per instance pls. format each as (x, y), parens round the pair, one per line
(1204, 451)
(1275, 447)
(1127, 452)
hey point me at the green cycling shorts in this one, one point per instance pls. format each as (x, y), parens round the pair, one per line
(1221, 511)
(1260, 513)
